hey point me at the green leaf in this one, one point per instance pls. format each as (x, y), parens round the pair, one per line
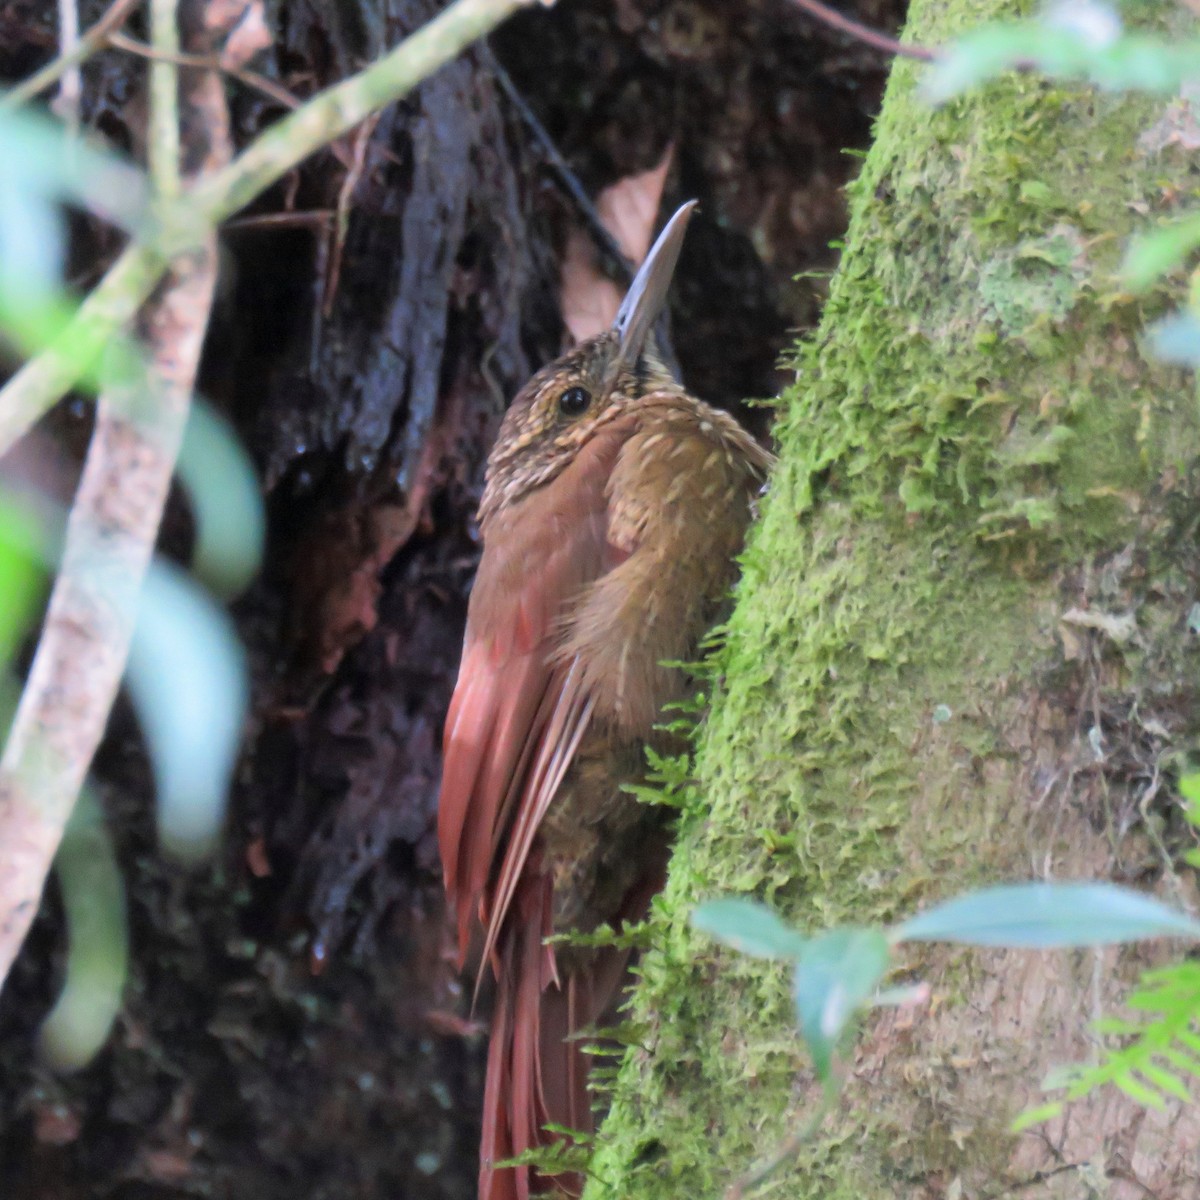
(1035, 1116)
(835, 975)
(31, 322)
(1165, 1081)
(93, 897)
(1139, 1092)
(20, 573)
(749, 927)
(1045, 915)
(1179, 1058)
(1152, 255)
(226, 502)
(41, 160)
(187, 678)
(31, 241)
(1072, 40)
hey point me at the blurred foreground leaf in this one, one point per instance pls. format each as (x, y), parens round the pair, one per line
(40, 159)
(1047, 915)
(226, 502)
(1071, 40)
(1151, 255)
(749, 927)
(20, 573)
(187, 678)
(93, 898)
(836, 973)
(43, 169)
(1176, 339)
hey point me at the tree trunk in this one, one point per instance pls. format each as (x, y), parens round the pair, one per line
(961, 653)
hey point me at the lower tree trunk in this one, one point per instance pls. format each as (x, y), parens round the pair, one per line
(961, 653)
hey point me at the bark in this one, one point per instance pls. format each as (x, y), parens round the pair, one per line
(975, 445)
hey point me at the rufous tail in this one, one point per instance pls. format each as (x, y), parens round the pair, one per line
(537, 1068)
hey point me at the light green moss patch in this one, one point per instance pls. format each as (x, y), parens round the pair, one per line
(973, 418)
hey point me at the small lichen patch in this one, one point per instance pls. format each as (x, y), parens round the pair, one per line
(1036, 282)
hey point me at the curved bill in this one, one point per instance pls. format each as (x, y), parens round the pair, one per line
(647, 295)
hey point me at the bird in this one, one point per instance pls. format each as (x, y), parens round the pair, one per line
(615, 504)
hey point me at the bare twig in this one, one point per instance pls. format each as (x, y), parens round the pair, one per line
(85, 639)
(70, 87)
(109, 308)
(317, 219)
(116, 15)
(163, 141)
(210, 62)
(614, 259)
(341, 224)
(110, 538)
(328, 115)
(862, 33)
(338, 109)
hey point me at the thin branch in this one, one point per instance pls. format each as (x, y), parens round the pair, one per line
(863, 33)
(41, 382)
(163, 123)
(111, 533)
(109, 308)
(70, 87)
(85, 638)
(115, 16)
(341, 224)
(614, 258)
(210, 62)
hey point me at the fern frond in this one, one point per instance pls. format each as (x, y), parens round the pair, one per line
(1160, 1054)
(1158, 1057)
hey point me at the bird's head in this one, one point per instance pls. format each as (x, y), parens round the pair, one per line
(598, 381)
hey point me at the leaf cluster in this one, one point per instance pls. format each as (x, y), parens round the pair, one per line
(837, 974)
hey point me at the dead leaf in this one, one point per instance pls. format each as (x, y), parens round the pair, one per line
(249, 35)
(629, 211)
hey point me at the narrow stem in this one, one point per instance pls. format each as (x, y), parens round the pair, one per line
(70, 88)
(109, 308)
(110, 539)
(163, 149)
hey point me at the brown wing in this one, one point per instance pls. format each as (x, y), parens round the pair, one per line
(516, 718)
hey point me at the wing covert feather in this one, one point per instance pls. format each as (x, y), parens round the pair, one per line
(509, 709)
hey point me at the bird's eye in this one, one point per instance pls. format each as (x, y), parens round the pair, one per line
(574, 402)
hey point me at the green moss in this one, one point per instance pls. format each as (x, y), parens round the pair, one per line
(972, 417)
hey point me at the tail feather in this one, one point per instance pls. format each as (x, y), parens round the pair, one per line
(497, 1142)
(537, 1070)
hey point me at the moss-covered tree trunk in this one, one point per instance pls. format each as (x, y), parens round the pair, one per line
(961, 653)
